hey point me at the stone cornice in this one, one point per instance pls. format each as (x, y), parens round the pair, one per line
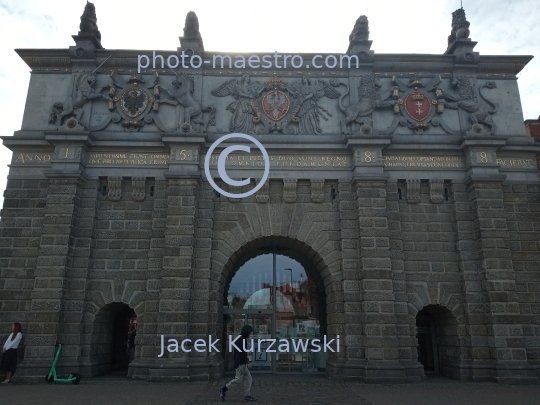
(383, 62)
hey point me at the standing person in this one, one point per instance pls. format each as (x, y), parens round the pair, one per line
(132, 333)
(241, 366)
(9, 358)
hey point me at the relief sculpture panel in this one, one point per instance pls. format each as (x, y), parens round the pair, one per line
(289, 108)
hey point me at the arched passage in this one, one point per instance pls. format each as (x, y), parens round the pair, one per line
(437, 331)
(278, 285)
(112, 339)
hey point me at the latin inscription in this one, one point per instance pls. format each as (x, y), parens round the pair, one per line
(516, 162)
(99, 117)
(424, 161)
(124, 159)
(31, 158)
(284, 161)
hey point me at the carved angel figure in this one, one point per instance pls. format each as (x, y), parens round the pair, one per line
(244, 113)
(307, 110)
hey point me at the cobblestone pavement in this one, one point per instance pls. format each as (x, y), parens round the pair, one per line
(281, 389)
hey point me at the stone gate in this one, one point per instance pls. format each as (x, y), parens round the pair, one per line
(403, 183)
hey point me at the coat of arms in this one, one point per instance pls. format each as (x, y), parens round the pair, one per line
(133, 101)
(300, 116)
(275, 104)
(418, 106)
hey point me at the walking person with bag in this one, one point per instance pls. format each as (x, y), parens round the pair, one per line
(9, 358)
(241, 366)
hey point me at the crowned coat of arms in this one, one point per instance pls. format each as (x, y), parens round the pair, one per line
(417, 105)
(275, 104)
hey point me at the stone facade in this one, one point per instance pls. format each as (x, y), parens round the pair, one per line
(532, 128)
(107, 203)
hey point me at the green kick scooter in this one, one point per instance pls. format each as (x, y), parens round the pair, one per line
(52, 377)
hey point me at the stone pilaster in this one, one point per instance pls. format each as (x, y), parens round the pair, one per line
(205, 317)
(497, 350)
(475, 314)
(503, 345)
(82, 243)
(407, 353)
(63, 258)
(173, 320)
(346, 306)
(148, 339)
(59, 286)
(378, 296)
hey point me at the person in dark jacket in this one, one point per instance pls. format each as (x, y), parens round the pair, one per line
(241, 366)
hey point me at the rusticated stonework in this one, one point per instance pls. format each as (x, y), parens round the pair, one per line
(395, 218)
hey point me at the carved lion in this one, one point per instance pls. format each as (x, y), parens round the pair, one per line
(361, 29)
(369, 100)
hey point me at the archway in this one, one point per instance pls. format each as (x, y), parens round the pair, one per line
(113, 334)
(438, 340)
(279, 289)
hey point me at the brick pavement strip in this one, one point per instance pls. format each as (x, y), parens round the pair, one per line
(289, 390)
(270, 390)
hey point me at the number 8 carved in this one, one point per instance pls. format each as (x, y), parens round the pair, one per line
(367, 156)
(483, 157)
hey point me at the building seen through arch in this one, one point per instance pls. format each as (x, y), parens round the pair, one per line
(281, 300)
(401, 211)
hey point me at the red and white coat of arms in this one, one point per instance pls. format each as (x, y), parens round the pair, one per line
(418, 106)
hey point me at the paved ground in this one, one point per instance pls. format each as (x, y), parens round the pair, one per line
(270, 390)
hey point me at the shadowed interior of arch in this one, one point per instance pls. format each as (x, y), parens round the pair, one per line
(108, 351)
(438, 335)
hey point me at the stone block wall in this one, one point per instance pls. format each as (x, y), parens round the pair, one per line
(20, 234)
(119, 265)
(69, 254)
(372, 226)
(425, 268)
(522, 209)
